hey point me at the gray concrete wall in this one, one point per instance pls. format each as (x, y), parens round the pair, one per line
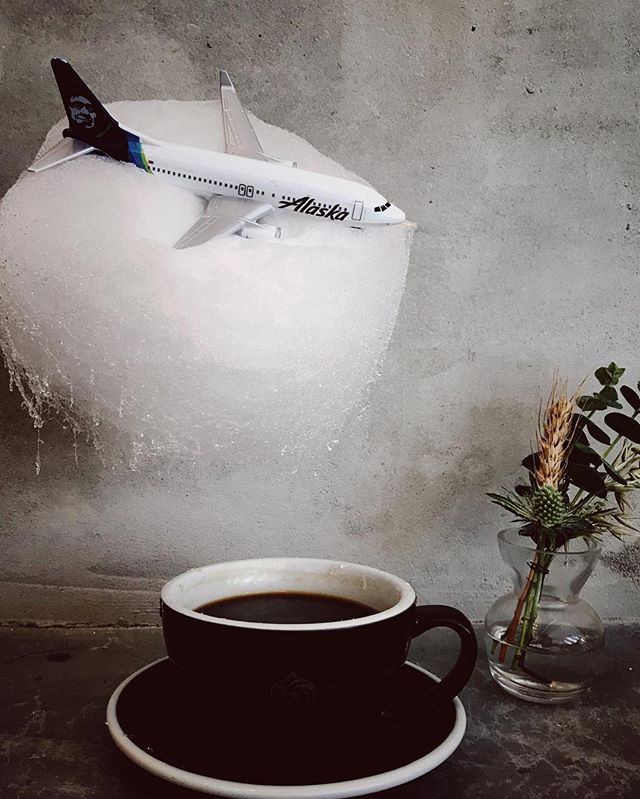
(508, 131)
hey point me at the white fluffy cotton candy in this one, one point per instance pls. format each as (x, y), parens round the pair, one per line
(248, 346)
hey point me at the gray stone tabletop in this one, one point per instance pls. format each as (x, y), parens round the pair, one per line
(55, 684)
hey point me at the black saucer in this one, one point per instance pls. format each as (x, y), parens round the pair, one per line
(172, 728)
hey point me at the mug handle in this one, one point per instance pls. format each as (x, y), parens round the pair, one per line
(426, 618)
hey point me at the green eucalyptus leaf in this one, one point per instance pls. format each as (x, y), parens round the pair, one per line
(588, 479)
(597, 432)
(588, 451)
(631, 397)
(602, 376)
(610, 402)
(624, 425)
(609, 396)
(581, 438)
(578, 422)
(531, 462)
(608, 393)
(588, 404)
(615, 372)
(578, 457)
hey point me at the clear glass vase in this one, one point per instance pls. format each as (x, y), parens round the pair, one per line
(543, 642)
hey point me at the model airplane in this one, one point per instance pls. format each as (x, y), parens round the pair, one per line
(242, 185)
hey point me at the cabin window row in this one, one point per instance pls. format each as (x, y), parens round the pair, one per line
(200, 179)
(228, 185)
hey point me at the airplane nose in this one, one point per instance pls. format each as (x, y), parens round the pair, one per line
(396, 215)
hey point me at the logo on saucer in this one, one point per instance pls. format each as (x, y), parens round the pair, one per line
(294, 691)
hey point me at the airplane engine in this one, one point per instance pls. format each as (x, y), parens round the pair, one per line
(279, 160)
(261, 232)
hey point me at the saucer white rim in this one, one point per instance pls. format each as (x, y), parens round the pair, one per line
(240, 790)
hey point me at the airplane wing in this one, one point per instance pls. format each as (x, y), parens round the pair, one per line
(239, 136)
(223, 216)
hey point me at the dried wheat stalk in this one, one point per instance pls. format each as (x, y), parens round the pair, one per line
(554, 437)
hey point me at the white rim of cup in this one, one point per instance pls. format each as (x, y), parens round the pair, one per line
(406, 592)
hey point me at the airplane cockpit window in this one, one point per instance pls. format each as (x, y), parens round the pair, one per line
(384, 207)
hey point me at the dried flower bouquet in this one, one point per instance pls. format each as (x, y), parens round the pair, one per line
(580, 479)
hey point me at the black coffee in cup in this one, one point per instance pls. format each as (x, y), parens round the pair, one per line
(286, 607)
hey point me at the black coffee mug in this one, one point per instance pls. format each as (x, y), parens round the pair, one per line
(300, 666)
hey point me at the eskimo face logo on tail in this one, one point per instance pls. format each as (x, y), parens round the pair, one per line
(81, 112)
(309, 205)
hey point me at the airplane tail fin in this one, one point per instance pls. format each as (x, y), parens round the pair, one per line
(90, 124)
(89, 120)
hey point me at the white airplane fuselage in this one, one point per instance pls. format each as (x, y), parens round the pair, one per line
(243, 185)
(208, 173)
